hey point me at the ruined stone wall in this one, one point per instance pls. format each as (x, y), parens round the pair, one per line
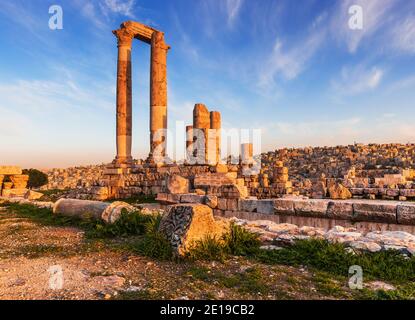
(370, 161)
(73, 178)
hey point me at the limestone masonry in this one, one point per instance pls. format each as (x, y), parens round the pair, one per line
(345, 184)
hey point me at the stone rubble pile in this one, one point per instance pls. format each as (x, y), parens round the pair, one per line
(73, 178)
(13, 183)
(385, 172)
(186, 223)
(274, 235)
(374, 171)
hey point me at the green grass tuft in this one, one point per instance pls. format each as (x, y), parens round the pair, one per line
(237, 241)
(208, 249)
(241, 242)
(335, 259)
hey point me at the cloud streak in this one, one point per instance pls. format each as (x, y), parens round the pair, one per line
(358, 79)
(288, 64)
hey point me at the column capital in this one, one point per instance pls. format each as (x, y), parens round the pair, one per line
(124, 37)
(157, 40)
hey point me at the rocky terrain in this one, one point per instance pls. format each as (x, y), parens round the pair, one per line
(104, 270)
(372, 161)
(35, 245)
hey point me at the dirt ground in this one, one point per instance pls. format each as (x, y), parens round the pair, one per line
(44, 262)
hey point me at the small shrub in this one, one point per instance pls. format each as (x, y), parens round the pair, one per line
(154, 245)
(241, 242)
(208, 249)
(129, 224)
(237, 241)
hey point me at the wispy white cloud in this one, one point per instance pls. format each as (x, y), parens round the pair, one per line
(40, 97)
(290, 63)
(233, 8)
(402, 35)
(123, 7)
(101, 12)
(357, 79)
(375, 15)
(89, 11)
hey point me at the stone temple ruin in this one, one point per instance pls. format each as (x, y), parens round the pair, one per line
(342, 187)
(228, 189)
(124, 177)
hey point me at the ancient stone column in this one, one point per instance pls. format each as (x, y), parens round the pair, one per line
(124, 97)
(215, 126)
(189, 142)
(201, 126)
(158, 96)
(86, 209)
(247, 153)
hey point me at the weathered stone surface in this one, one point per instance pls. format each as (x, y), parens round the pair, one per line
(340, 210)
(395, 238)
(6, 192)
(232, 204)
(177, 184)
(162, 197)
(211, 201)
(213, 179)
(33, 195)
(407, 192)
(184, 225)
(200, 192)
(222, 204)
(343, 236)
(379, 285)
(406, 214)
(86, 209)
(10, 170)
(221, 168)
(319, 190)
(338, 191)
(248, 205)
(19, 181)
(284, 206)
(311, 207)
(158, 95)
(173, 198)
(283, 228)
(191, 198)
(124, 96)
(375, 211)
(265, 206)
(370, 246)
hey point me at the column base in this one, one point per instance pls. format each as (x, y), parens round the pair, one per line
(123, 162)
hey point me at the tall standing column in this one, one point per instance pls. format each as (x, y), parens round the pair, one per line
(215, 126)
(158, 96)
(124, 97)
(201, 126)
(189, 143)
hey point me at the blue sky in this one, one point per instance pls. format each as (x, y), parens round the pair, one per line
(292, 68)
